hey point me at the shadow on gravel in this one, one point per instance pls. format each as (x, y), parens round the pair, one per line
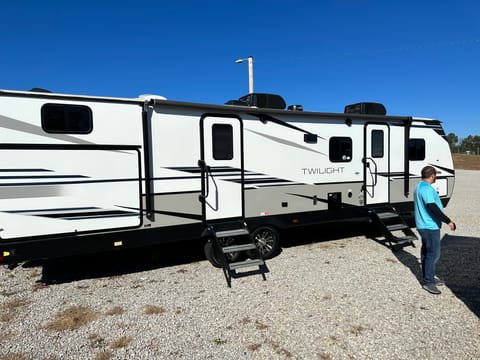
(326, 232)
(116, 263)
(459, 267)
(57, 271)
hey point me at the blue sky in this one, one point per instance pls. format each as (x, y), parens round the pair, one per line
(419, 58)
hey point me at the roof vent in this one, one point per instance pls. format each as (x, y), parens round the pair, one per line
(147, 97)
(295, 107)
(270, 101)
(366, 108)
(36, 89)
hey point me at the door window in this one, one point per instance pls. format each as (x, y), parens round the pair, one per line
(377, 144)
(222, 141)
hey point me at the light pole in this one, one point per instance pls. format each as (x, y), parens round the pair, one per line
(250, 72)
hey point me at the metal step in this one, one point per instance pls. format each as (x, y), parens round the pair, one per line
(232, 233)
(241, 247)
(246, 263)
(387, 215)
(403, 239)
(394, 227)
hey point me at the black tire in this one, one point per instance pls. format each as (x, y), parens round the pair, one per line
(267, 241)
(213, 255)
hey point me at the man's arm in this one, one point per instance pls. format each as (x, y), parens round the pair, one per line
(440, 215)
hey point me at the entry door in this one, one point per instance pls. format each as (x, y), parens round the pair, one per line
(222, 167)
(377, 164)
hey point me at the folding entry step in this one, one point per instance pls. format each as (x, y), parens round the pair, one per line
(393, 227)
(229, 244)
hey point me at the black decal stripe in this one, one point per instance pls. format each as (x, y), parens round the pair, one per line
(273, 185)
(43, 177)
(450, 171)
(260, 181)
(70, 182)
(25, 170)
(90, 217)
(266, 117)
(172, 213)
(219, 169)
(196, 170)
(88, 214)
(286, 142)
(54, 209)
(309, 197)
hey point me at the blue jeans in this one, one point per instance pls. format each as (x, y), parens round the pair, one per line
(430, 253)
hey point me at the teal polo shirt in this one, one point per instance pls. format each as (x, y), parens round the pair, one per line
(426, 194)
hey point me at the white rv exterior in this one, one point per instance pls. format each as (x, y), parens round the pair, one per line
(85, 174)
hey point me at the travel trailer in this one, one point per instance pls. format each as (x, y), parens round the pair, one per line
(83, 174)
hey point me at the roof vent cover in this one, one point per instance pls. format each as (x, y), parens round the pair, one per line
(366, 108)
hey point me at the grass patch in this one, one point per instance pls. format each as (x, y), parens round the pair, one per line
(245, 321)
(219, 341)
(104, 355)
(8, 310)
(72, 318)
(280, 350)
(96, 341)
(466, 162)
(14, 356)
(254, 347)
(116, 310)
(325, 356)
(153, 310)
(120, 342)
(260, 326)
(358, 329)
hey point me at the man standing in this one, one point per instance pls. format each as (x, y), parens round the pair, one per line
(428, 218)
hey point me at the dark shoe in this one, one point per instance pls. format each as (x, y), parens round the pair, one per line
(439, 282)
(432, 289)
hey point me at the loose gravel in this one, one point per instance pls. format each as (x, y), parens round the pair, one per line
(349, 298)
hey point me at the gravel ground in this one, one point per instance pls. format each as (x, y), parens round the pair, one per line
(349, 298)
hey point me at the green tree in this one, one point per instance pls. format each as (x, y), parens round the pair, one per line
(470, 143)
(452, 141)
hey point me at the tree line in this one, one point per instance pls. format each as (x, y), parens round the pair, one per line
(470, 144)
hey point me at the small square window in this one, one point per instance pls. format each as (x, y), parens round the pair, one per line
(416, 149)
(340, 149)
(310, 138)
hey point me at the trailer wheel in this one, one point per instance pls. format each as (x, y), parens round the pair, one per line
(213, 255)
(216, 258)
(267, 241)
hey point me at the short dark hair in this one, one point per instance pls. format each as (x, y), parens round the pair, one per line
(428, 171)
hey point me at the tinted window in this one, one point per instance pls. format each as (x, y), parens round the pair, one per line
(222, 141)
(416, 149)
(62, 118)
(340, 149)
(310, 138)
(377, 143)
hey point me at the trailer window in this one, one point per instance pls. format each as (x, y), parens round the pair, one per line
(62, 118)
(340, 149)
(66, 119)
(416, 149)
(222, 142)
(377, 144)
